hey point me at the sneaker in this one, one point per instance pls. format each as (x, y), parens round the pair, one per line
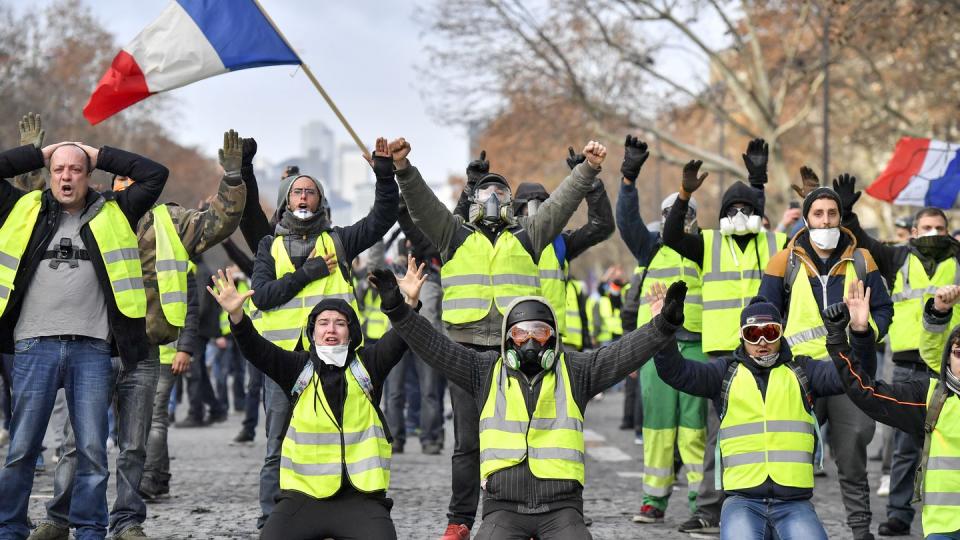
(699, 525)
(431, 448)
(884, 489)
(134, 531)
(49, 531)
(894, 527)
(244, 436)
(456, 531)
(638, 439)
(649, 514)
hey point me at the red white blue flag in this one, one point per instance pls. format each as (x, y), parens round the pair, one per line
(191, 40)
(922, 172)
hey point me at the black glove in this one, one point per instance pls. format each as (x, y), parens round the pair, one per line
(634, 155)
(673, 303)
(249, 150)
(691, 182)
(477, 169)
(756, 161)
(315, 268)
(844, 185)
(836, 317)
(385, 281)
(574, 158)
(382, 167)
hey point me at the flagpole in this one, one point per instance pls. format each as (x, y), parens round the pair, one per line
(316, 83)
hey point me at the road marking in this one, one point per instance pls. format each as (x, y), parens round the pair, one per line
(629, 474)
(608, 453)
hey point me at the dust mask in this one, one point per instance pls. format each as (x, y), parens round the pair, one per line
(302, 213)
(825, 238)
(332, 355)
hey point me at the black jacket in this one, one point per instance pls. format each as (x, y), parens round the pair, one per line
(129, 335)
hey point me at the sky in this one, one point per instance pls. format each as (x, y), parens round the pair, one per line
(362, 52)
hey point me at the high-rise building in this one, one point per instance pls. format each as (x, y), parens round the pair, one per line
(355, 179)
(317, 150)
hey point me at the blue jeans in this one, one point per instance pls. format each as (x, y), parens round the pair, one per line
(277, 411)
(227, 362)
(754, 519)
(944, 536)
(251, 405)
(84, 370)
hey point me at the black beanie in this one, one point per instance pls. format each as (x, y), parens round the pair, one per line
(821, 193)
(760, 311)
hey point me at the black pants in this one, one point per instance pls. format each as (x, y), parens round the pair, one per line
(563, 524)
(199, 389)
(351, 517)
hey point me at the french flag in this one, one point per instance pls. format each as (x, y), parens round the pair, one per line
(191, 40)
(922, 172)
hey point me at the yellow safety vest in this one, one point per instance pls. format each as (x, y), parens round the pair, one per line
(941, 483)
(551, 442)
(14, 237)
(771, 437)
(167, 353)
(375, 322)
(284, 325)
(171, 265)
(666, 267)
(553, 286)
(911, 290)
(610, 324)
(731, 278)
(574, 334)
(480, 274)
(316, 448)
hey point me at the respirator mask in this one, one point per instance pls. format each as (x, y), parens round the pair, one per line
(530, 347)
(491, 204)
(740, 220)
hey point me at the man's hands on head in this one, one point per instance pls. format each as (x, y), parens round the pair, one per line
(231, 155)
(31, 130)
(946, 297)
(399, 150)
(93, 153)
(595, 154)
(634, 155)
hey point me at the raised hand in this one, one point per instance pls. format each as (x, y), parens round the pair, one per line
(226, 294)
(31, 130)
(634, 155)
(858, 303)
(248, 149)
(595, 153)
(231, 155)
(477, 169)
(673, 303)
(756, 161)
(399, 150)
(691, 182)
(809, 181)
(836, 317)
(412, 281)
(845, 186)
(655, 298)
(381, 161)
(574, 158)
(385, 281)
(946, 297)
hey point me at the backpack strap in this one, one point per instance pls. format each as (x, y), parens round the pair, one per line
(940, 395)
(721, 412)
(801, 375)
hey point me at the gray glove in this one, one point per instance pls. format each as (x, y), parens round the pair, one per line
(31, 130)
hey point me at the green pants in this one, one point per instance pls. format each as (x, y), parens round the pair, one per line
(671, 419)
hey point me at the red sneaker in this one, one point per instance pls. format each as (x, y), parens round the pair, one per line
(456, 531)
(649, 514)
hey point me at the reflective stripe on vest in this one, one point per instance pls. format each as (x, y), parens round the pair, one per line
(574, 334)
(731, 277)
(941, 484)
(316, 447)
(481, 274)
(120, 253)
(375, 322)
(552, 285)
(666, 267)
(14, 237)
(551, 442)
(762, 438)
(284, 325)
(911, 289)
(171, 266)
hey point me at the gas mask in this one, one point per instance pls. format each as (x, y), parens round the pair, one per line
(333, 355)
(766, 360)
(491, 204)
(530, 347)
(740, 221)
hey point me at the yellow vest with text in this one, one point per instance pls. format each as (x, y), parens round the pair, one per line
(481, 274)
(375, 322)
(911, 290)
(731, 278)
(316, 448)
(574, 334)
(553, 286)
(171, 265)
(666, 267)
(772, 437)
(284, 325)
(941, 483)
(551, 441)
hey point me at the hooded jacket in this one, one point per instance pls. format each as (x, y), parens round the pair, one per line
(516, 489)
(292, 370)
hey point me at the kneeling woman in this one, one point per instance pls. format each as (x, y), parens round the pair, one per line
(335, 458)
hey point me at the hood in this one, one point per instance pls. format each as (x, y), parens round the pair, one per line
(528, 191)
(558, 346)
(283, 196)
(739, 193)
(353, 323)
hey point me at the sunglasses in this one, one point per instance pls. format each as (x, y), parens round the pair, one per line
(769, 332)
(522, 332)
(955, 353)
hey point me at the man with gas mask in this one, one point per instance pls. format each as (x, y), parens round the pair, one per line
(768, 431)
(670, 419)
(306, 260)
(929, 259)
(816, 268)
(532, 395)
(732, 261)
(488, 260)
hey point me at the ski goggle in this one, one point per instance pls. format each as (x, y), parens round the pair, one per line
(745, 210)
(522, 332)
(502, 193)
(769, 332)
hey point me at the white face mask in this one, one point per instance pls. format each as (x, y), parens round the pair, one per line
(302, 213)
(825, 238)
(931, 232)
(740, 224)
(332, 355)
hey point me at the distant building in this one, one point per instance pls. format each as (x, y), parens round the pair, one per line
(355, 180)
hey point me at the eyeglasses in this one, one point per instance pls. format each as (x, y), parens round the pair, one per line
(955, 353)
(502, 193)
(540, 331)
(296, 192)
(769, 332)
(745, 210)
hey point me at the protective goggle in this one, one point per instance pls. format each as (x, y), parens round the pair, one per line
(484, 193)
(769, 332)
(522, 332)
(745, 210)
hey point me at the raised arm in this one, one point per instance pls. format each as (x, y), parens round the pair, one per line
(689, 246)
(633, 231)
(889, 258)
(599, 226)
(272, 291)
(358, 237)
(148, 175)
(254, 224)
